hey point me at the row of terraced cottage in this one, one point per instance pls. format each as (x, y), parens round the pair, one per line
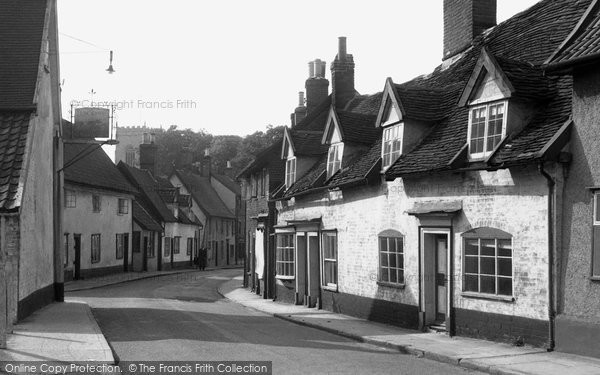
(466, 200)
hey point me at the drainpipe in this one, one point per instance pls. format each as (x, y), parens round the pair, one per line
(551, 312)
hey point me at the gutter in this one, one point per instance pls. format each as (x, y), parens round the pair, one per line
(551, 312)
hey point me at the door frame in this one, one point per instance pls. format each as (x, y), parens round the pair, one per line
(447, 230)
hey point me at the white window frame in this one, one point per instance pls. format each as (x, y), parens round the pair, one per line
(120, 246)
(96, 201)
(324, 261)
(168, 247)
(393, 155)
(486, 152)
(70, 198)
(290, 172)
(332, 165)
(123, 209)
(399, 267)
(596, 212)
(496, 274)
(290, 263)
(97, 251)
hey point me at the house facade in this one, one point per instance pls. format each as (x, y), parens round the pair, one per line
(220, 224)
(30, 118)
(439, 203)
(98, 214)
(577, 264)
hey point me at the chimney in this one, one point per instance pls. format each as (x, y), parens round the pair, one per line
(342, 75)
(148, 151)
(463, 21)
(317, 87)
(229, 170)
(300, 111)
(205, 170)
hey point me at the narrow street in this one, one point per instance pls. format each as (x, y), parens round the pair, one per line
(183, 317)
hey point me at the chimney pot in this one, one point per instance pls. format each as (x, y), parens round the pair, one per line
(301, 99)
(311, 69)
(207, 152)
(342, 48)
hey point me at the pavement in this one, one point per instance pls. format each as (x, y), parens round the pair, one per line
(67, 331)
(480, 355)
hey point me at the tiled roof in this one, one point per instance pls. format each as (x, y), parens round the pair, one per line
(358, 128)
(426, 103)
(204, 194)
(87, 164)
(13, 140)
(584, 42)
(539, 132)
(148, 187)
(228, 182)
(309, 180)
(308, 143)
(359, 169)
(143, 218)
(167, 195)
(365, 104)
(21, 33)
(520, 45)
(184, 200)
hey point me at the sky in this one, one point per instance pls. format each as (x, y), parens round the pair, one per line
(236, 66)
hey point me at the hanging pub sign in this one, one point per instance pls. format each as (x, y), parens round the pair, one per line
(91, 122)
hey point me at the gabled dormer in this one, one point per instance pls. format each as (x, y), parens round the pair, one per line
(288, 154)
(487, 96)
(347, 135)
(333, 137)
(405, 119)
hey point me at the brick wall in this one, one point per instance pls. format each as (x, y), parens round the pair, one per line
(511, 200)
(464, 20)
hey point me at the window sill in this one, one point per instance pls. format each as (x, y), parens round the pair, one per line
(330, 288)
(594, 278)
(491, 297)
(391, 285)
(286, 278)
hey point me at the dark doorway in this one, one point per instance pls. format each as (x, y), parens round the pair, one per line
(125, 252)
(77, 261)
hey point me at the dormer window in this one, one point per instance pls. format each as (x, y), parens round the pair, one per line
(392, 145)
(487, 127)
(334, 159)
(290, 172)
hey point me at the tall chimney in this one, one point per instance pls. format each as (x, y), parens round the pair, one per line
(206, 164)
(463, 21)
(317, 87)
(342, 75)
(300, 111)
(148, 151)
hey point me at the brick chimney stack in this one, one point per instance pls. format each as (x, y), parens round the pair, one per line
(463, 21)
(317, 86)
(300, 111)
(148, 151)
(342, 75)
(205, 170)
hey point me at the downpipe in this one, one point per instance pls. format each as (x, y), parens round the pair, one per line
(551, 312)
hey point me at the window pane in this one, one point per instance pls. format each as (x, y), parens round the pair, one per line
(392, 260)
(505, 286)
(400, 244)
(383, 244)
(392, 245)
(471, 247)
(488, 247)
(505, 248)
(488, 284)
(505, 266)
(488, 266)
(384, 274)
(471, 283)
(400, 276)
(384, 259)
(400, 260)
(471, 264)
(393, 276)
(597, 213)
